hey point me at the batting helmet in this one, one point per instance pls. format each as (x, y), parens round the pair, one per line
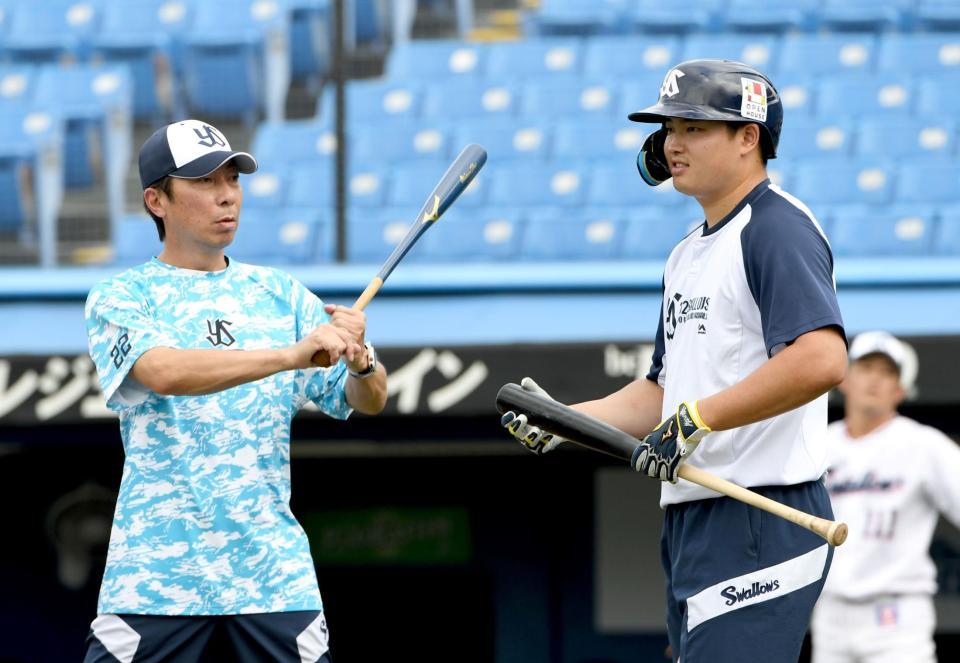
(710, 90)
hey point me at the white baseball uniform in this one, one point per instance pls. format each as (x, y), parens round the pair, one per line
(889, 486)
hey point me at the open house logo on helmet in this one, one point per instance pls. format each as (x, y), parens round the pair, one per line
(722, 90)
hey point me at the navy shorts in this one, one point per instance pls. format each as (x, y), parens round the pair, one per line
(742, 583)
(297, 637)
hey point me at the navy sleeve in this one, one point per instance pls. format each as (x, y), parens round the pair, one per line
(789, 270)
(656, 365)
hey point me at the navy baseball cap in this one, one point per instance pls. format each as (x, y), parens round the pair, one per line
(189, 149)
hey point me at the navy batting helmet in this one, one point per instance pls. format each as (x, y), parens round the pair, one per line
(710, 90)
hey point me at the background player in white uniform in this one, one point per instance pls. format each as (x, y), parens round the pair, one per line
(207, 360)
(750, 340)
(890, 478)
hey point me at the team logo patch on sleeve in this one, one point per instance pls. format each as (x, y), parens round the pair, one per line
(753, 104)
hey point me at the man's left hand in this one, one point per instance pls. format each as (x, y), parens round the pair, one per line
(354, 323)
(660, 453)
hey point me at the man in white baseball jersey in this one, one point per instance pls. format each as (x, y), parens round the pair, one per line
(890, 478)
(750, 340)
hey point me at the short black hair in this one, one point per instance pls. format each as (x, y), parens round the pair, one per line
(166, 186)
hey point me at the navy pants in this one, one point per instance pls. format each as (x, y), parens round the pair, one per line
(297, 637)
(742, 583)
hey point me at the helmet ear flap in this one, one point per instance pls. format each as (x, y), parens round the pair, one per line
(652, 160)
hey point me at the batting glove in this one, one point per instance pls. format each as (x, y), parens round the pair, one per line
(660, 453)
(532, 437)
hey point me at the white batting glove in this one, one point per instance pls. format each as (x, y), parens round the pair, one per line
(534, 438)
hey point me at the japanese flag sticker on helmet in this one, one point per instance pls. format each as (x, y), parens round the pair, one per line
(753, 104)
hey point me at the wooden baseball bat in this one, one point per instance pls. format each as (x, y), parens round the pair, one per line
(597, 435)
(457, 178)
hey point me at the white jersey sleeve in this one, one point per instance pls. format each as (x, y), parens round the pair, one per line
(890, 487)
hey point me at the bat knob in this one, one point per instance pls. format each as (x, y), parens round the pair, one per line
(321, 359)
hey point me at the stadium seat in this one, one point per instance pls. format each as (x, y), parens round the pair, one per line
(278, 144)
(920, 54)
(941, 15)
(17, 84)
(558, 185)
(863, 15)
(266, 188)
(622, 186)
(135, 240)
(580, 17)
(805, 136)
(282, 236)
(759, 51)
(411, 182)
(834, 182)
(44, 32)
(373, 233)
(816, 54)
(883, 232)
(373, 100)
(310, 40)
(770, 15)
(652, 232)
(946, 240)
(572, 234)
(600, 140)
(860, 95)
(939, 96)
(680, 16)
(435, 59)
(533, 59)
(928, 181)
(386, 143)
(906, 137)
(628, 58)
(233, 72)
(456, 100)
(466, 234)
(569, 97)
(508, 139)
(797, 93)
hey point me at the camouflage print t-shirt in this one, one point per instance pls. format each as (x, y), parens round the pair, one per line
(203, 524)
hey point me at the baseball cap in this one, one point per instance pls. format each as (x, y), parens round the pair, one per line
(878, 342)
(189, 149)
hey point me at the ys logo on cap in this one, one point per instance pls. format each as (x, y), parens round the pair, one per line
(210, 138)
(670, 85)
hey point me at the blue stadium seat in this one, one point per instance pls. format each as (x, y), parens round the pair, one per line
(859, 95)
(946, 240)
(144, 36)
(374, 100)
(572, 234)
(906, 137)
(411, 182)
(310, 39)
(837, 182)
(780, 171)
(282, 236)
(620, 140)
(770, 15)
(534, 59)
(797, 93)
(569, 97)
(805, 136)
(922, 54)
(508, 138)
(465, 234)
(941, 15)
(386, 143)
(630, 57)
(580, 17)
(431, 59)
(373, 233)
(559, 185)
(939, 96)
(266, 188)
(17, 85)
(815, 54)
(883, 232)
(456, 100)
(44, 32)
(277, 144)
(863, 15)
(928, 181)
(757, 50)
(621, 186)
(135, 240)
(679, 16)
(232, 73)
(652, 232)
